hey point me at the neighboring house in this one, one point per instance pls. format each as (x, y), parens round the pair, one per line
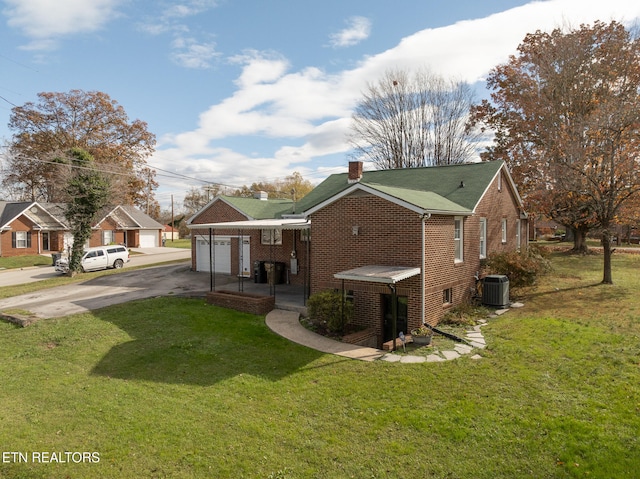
(28, 228)
(125, 224)
(170, 233)
(36, 228)
(415, 234)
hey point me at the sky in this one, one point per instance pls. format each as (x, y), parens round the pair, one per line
(242, 91)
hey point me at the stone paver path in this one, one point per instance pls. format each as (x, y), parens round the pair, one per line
(287, 324)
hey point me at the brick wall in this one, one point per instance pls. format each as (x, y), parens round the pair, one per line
(19, 224)
(108, 225)
(245, 302)
(387, 234)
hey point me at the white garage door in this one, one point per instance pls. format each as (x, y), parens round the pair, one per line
(221, 255)
(148, 239)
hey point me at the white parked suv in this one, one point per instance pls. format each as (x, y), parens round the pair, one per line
(100, 257)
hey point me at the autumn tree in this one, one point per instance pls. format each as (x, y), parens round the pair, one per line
(566, 118)
(92, 121)
(88, 190)
(410, 120)
(293, 186)
(196, 198)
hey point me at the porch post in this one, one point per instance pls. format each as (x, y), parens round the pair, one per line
(210, 259)
(394, 313)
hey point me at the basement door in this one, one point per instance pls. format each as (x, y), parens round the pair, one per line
(387, 315)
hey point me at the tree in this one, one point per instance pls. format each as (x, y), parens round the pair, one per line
(566, 119)
(293, 187)
(195, 199)
(92, 121)
(406, 121)
(89, 193)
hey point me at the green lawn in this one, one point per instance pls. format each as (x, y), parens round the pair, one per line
(179, 243)
(11, 262)
(175, 388)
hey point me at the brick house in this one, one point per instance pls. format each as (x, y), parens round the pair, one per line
(417, 235)
(28, 228)
(37, 228)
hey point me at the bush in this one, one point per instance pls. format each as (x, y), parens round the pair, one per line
(521, 267)
(325, 309)
(465, 314)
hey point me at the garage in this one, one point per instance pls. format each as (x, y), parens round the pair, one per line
(148, 239)
(221, 255)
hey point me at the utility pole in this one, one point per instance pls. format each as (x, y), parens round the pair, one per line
(173, 225)
(148, 188)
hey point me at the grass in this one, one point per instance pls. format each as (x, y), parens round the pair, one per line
(171, 387)
(13, 262)
(179, 243)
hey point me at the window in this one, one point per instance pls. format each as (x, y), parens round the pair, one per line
(107, 237)
(272, 236)
(483, 237)
(504, 230)
(518, 234)
(458, 238)
(21, 239)
(447, 296)
(305, 235)
(500, 181)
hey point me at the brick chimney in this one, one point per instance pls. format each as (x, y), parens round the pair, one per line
(355, 171)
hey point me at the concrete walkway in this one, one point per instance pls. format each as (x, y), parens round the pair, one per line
(287, 324)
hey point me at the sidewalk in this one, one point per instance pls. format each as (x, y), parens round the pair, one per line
(287, 325)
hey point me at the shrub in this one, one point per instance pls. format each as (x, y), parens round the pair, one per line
(465, 314)
(521, 267)
(325, 308)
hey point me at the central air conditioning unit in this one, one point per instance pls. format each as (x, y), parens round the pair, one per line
(495, 290)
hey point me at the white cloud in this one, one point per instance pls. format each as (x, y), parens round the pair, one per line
(308, 111)
(187, 52)
(358, 29)
(45, 21)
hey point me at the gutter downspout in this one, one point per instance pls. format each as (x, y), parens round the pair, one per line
(423, 276)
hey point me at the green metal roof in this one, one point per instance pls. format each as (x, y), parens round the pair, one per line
(456, 188)
(260, 209)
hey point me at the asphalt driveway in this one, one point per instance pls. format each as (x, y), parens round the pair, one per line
(112, 289)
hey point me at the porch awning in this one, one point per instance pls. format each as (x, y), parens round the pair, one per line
(378, 274)
(285, 224)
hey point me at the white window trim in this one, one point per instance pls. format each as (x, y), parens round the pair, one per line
(458, 240)
(504, 230)
(447, 296)
(271, 237)
(483, 238)
(111, 237)
(21, 238)
(518, 234)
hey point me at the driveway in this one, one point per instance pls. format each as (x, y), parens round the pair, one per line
(112, 289)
